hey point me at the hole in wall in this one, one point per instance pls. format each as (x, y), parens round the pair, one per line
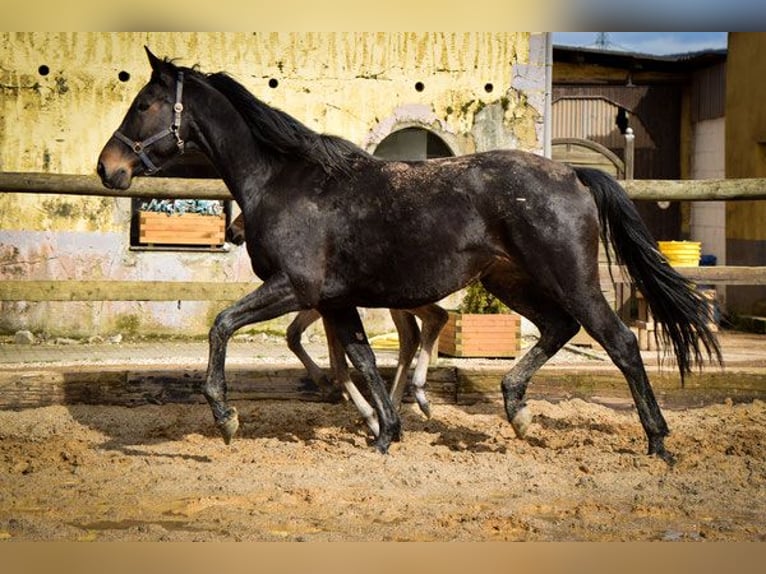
(419, 86)
(488, 87)
(273, 83)
(43, 70)
(123, 76)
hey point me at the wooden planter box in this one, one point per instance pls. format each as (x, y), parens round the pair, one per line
(470, 335)
(181, 229)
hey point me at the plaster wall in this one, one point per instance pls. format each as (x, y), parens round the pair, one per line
(62, 95)
(708, 218)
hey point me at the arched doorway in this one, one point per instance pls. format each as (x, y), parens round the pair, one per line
(587, 153)
(412, 143)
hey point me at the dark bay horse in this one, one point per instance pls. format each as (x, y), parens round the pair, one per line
(329, 227)
(410, 339)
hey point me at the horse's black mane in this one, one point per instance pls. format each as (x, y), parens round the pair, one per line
(282, 134)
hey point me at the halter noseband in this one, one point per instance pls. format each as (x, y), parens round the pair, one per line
(140, 147)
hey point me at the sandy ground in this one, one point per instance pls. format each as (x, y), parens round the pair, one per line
(306, 472)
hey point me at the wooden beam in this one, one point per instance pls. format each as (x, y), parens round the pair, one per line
(143, 187)
(726, 275)
(185, 188)
(723, 275)
(695, 189)
(123, 290)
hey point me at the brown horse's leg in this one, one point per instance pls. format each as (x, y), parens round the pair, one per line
(273, 299)
(409, 339)
(434, 318)
(302, 321)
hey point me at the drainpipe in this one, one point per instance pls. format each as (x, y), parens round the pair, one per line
(547, 114)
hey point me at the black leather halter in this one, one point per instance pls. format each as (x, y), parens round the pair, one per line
(140, 147)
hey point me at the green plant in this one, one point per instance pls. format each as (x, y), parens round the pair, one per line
(478, 300)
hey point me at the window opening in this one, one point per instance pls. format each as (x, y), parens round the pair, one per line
(181, 224)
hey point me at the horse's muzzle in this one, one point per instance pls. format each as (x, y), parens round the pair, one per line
(119, 179)
(114, 170)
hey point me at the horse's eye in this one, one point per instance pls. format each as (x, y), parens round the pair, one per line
(143, 106)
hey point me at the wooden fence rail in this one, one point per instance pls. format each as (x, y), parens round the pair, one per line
(108, 290)
(183, 188)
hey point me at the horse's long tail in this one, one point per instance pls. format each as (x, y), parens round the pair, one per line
(678, 307)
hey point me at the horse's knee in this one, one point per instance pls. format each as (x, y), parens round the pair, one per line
(221, 329)
(293, 336)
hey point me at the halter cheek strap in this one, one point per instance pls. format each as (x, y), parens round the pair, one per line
(140, 147)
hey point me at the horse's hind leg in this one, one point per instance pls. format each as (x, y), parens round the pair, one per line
(327, 387)
(293, 336)
(620, 343)
(434, 318)
(348, 327)
(409, 339)
(556, 328)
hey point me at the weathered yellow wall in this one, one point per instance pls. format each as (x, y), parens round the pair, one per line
(746, 129)
(746, 157)
(343, 83)
(357, 85)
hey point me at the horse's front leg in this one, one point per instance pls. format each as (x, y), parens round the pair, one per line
(272, 299)
(343, 377)
(348, 328)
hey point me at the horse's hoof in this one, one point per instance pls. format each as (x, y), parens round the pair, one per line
(381, 445)
(521, 421)
(228, 425)
(657, 448)
(668, 457)
(423, 403)
(387, 436)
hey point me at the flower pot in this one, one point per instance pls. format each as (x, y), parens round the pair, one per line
(478, 335)
(181, 229)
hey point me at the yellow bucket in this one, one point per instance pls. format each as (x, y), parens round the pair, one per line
(681, 253)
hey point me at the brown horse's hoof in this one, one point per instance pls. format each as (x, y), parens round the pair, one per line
(422, 400)
(229, 424)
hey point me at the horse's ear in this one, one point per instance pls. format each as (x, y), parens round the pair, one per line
(154, 61)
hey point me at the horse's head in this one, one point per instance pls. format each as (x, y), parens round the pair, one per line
(152, 132)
